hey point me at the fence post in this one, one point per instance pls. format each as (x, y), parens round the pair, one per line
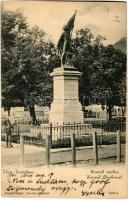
(18, 132)
(48, 142)
(73, 149)
(101, 138)
(21, 149)
(95, 148)
(51, 133)
(118, 147)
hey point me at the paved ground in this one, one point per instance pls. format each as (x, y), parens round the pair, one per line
(35, 156)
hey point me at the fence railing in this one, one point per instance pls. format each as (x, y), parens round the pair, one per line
(95, 148)
(70, 135)
(60, 134)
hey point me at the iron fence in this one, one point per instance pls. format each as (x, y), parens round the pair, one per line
(60, 134)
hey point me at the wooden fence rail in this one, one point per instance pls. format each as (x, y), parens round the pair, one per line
(48, 144)
(95, 148)
(118, 146)
(73, 148)
(21, 150)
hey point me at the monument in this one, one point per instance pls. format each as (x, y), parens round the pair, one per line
(66, 107)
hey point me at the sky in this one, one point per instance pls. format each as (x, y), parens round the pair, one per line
(105, 18)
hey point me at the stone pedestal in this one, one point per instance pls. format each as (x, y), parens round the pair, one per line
(66, 106)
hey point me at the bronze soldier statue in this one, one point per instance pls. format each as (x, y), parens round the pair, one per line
(64, 43)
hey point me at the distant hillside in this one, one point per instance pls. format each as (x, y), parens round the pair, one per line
(121, 44)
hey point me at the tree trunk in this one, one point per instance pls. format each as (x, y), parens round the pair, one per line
(123, 111)
(109, 111)
(33, 114)
(8, 109)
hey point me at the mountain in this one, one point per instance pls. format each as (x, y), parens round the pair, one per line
(121, 44)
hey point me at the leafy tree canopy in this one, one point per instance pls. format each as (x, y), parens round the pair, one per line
(25, 63)
(103, 68)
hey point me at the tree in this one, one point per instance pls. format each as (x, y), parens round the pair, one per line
(103, 69)
(27, 76)
(34, 82)
(11, 23)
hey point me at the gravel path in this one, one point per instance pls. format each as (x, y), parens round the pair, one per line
(35, 156)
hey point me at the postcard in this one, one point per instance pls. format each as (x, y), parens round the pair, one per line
(63, 99)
